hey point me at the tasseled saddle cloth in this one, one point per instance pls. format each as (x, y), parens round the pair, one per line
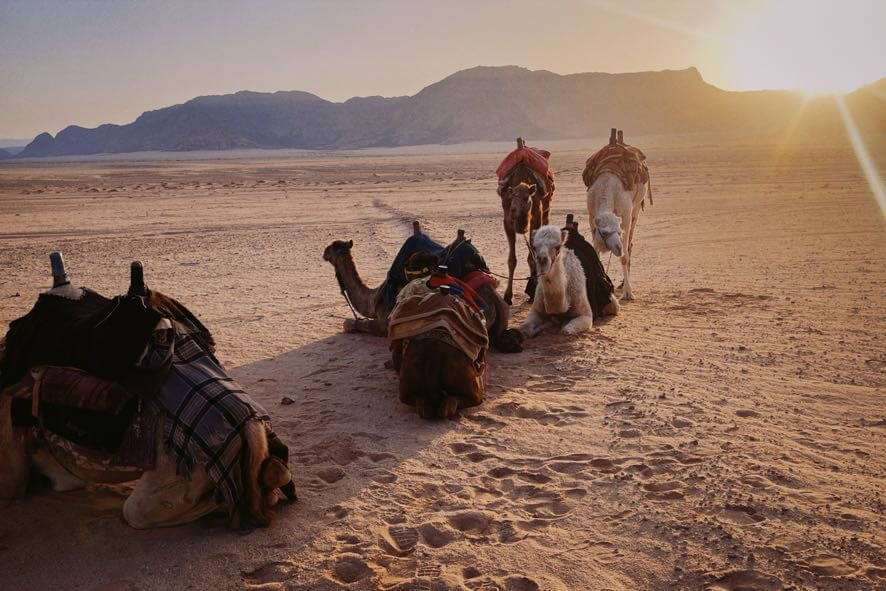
(419, 315)
(626, 162)
(538, 162)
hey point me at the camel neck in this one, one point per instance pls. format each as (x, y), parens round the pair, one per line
(361, 295)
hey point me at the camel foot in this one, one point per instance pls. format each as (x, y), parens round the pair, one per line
(510, 341)
(611, 309)
(509, 299)
(578, 325)
(449, 408)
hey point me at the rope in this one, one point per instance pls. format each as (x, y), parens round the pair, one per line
(532, 254)
(344, 293)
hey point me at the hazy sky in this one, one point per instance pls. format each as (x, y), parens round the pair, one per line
(90, 62)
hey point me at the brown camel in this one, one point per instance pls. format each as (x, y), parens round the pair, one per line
(525, 210)
(438, 346)
(369, 302)
(437, 378)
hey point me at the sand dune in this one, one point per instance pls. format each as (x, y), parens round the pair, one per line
(725, 431)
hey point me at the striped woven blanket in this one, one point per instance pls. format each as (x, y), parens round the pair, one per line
(626, 162)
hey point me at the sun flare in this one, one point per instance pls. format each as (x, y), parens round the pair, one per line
(809, 46)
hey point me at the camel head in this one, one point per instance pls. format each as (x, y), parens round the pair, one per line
(607, 234)
(547, 242)
(520, 207)
(337, 249)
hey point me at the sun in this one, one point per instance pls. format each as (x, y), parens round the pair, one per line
(816, 47)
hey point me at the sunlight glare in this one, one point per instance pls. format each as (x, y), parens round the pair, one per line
(812, 46)
(861, 153)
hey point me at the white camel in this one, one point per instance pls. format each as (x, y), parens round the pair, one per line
(561, 294)
(612, 213)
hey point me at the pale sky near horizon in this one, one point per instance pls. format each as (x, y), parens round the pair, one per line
(90, 62)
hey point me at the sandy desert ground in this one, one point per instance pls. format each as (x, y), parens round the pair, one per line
(726, 431)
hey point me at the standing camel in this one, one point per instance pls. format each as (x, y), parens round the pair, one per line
(617, 179)
(526, 187)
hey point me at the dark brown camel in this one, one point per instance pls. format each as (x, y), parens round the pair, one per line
(525, 210)
(370, 304)
(437, 378)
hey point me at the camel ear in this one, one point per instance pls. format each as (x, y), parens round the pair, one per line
(563, 236)
(350, 243)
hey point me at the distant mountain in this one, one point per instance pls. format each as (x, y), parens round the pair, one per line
(4, 154)
(482, 103)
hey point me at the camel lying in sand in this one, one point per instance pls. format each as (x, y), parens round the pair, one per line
(370, 302)
(438, 344)
(618, 182)
(238, 469)
(568, 291)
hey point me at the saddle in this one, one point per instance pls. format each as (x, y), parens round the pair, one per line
(460, 257)
(536, 159)
(420, 315)
(626, 162)
(598, 284)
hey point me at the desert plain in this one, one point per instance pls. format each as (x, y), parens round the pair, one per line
(726, 431)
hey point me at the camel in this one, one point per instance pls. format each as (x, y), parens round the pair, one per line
(562, 292)
(163, 495)
(438, 345)
(618, 183)
(370, 303)
(525, 208)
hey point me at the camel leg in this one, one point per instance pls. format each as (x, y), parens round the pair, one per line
(14, 469)
(627, 223)
(512, 264)
(578, 325)
(462, 383)
(627, 291)
(163, 498)
(61, 479)
(532, 284)
(371, 326)
(419, 377)
(534, 324)
(612, 308)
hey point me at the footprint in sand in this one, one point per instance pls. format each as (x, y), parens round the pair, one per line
(746, 580)
(267, 574)
(830, 566)
(742, 514)
(435, 535)
(471, 522)
(399, 540)
(331, 474)
(664, 491)
(350, 568)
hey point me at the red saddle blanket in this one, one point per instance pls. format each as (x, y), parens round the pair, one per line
(535, 158)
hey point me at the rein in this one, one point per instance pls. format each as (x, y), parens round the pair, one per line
(344, 293)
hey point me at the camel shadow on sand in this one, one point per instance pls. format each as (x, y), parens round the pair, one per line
(336, 406)
(346, 430)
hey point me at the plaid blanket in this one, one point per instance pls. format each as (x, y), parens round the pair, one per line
(205, 410)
